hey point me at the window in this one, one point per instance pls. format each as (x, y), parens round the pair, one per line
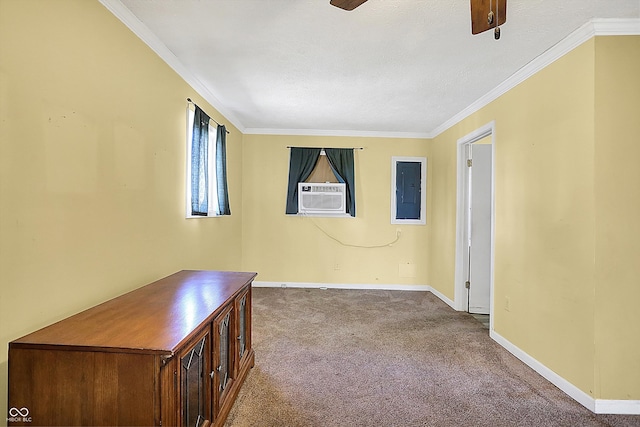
(322, 172)
(408, 190)
(303, 162)
(206, 189)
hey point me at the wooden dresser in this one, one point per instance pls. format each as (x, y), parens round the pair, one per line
(172, 353)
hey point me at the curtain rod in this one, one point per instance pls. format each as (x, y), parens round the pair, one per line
(322, 148)
(210, 118)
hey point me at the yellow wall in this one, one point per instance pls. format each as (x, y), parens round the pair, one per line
(566, 194)
(545, 216)
(617, 189)
(291, 248)
(544, 213)
(92, 163)
(442, 213)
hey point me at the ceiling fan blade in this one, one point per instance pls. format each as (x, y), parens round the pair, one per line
(347, 4)
(480, 10)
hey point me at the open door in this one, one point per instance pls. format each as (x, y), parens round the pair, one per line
(479, 234)
(475, 223)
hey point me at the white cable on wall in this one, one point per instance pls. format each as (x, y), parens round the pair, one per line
(384, 245)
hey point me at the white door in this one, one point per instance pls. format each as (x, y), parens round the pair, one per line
(480, 229)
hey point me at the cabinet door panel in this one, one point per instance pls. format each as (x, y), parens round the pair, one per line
(243, 328)
(194, 382)
(223, 356)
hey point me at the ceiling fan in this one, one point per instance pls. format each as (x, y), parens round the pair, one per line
(488, 14)
(347, 4)
(485, 14)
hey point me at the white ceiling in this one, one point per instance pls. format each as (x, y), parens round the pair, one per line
(390, 67)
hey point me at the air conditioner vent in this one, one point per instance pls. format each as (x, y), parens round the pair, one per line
(325, 198)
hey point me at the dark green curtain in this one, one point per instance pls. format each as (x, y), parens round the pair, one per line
(341, 161)
(301, 164)
(199, 163)
(221, 171)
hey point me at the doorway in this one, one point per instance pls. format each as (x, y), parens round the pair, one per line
(475, 220)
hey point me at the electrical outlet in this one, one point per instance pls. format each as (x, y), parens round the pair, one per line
(398, 232)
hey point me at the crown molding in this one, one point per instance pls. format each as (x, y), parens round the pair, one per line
(616, 27)
(150, 39)
(343, 133)
(595, 27)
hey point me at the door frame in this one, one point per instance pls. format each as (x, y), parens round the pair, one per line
(460, 292)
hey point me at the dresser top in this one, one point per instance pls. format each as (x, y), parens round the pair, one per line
(156, 318)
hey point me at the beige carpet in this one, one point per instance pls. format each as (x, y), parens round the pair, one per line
(389, 358)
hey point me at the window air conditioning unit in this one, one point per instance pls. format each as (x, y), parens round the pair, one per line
(317, 198)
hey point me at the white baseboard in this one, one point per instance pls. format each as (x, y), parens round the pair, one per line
(444, 299)
(574, 392)
(598, 406)
(621, 407)
(372, 286)
(375, 286)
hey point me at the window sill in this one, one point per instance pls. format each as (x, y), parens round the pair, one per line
(322, 215)
(408, 221)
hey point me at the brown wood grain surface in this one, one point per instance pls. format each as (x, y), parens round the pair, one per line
(154, 318)
(83, 388)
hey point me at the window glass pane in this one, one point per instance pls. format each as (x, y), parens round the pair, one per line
(213, 181)
(322, 172)
(408, 190)
(210, 191)
(190, 116)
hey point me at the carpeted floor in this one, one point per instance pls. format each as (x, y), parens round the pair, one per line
(389, 358)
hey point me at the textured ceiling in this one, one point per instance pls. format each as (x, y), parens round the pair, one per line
(390, 67)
